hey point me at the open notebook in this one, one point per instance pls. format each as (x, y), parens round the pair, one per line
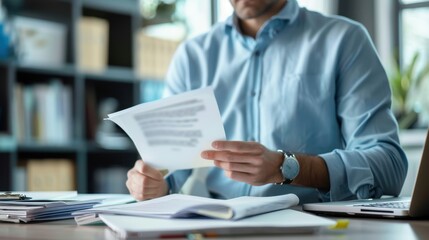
(416, 206)
(186, 206)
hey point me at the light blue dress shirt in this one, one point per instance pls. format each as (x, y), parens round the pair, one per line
(307, 83)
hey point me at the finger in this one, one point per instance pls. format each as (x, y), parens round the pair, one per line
(141, 192)
(236, 167)
(239, 146)
(134, 182)
(143, 183)
(145, 189)
(147, 170)
(128, 184)
(138, 165)
(227, 156)
(133, 193)
(139, 182)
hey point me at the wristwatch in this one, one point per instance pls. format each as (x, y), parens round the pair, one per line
(289, 167)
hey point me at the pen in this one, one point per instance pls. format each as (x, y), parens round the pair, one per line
(9, 196)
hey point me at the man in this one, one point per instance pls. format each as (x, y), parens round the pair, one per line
(289, 79)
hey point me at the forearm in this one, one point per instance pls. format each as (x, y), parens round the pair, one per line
(313, 172)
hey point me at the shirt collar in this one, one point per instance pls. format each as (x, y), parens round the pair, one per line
(289, 13)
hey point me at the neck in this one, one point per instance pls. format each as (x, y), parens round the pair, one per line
(251, 26)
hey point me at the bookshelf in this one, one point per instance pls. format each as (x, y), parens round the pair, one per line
(117, 81)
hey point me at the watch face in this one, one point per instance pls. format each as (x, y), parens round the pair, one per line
(290, 168)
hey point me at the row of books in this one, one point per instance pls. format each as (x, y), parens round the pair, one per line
(45, 175)
(44, 112)
(42, 42)
(153, 53)
(60, 175)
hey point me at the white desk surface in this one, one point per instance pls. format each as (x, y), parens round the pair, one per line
(359, 228)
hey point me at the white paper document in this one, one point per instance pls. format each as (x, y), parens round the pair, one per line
(284, 221)
(171, 133)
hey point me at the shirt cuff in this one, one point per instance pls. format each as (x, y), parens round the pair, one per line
(346, 184)
(339, 189)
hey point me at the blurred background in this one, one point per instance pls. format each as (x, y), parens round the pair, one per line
(66, 64)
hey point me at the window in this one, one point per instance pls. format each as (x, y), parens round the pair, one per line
(414, 39)
(176, 19)
(224, 10)
(323, 6)
(414, 33)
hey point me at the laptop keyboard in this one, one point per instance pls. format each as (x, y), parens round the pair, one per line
(395, 205)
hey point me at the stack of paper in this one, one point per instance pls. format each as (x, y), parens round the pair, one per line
(43, 206)
(108, 200)
(29, 210)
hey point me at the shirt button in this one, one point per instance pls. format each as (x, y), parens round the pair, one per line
(253, 93)
(251, 139)
(257, 53)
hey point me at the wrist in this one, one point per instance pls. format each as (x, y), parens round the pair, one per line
(289, 168)
(278, 176)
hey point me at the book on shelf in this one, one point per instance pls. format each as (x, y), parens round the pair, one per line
(40, 42)
(50, 175)
(43, 112)
(154, 55)
(93, 44)
(187, 206)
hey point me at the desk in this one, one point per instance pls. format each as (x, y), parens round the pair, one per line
(359, 228)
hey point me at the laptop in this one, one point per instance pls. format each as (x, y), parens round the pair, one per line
(396, 207)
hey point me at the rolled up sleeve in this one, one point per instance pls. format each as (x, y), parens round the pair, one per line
(372, 162)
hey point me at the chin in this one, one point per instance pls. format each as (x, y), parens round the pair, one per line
(246, 13)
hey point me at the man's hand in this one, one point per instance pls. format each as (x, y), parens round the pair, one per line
(249, 162)
(145, 182)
